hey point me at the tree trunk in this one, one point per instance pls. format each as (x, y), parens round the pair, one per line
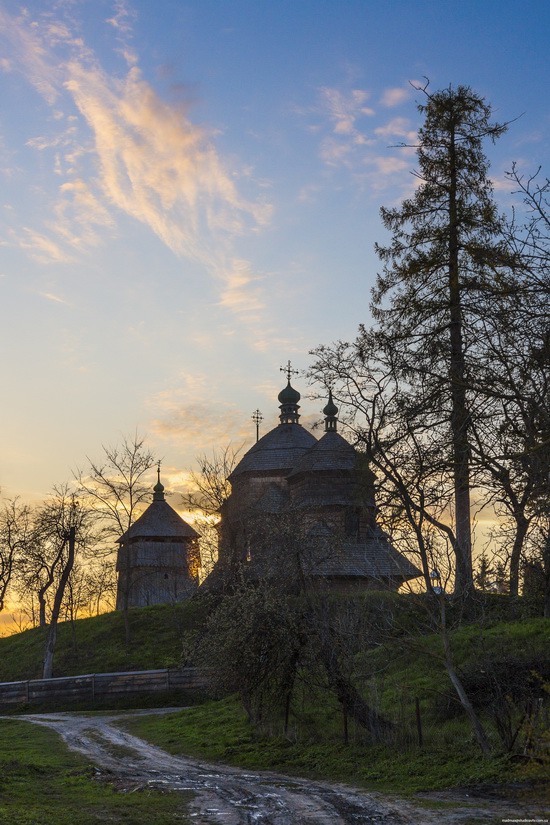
(522, 525)
(352, 702)
(42, 607)
(475, 722)
(546, 577)
(459, 410)
(52, 631)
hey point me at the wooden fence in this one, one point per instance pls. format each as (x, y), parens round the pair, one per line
(102, 687)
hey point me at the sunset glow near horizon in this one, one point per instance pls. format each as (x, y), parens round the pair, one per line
(191, 196)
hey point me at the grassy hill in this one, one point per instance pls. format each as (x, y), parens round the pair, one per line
(393, 674)
(405, 669)
(97, 644)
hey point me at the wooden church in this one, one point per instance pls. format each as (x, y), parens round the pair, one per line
(158, 560)
(303, 511)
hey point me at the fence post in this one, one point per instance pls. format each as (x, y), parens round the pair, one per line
(418, 721)
(345, 713)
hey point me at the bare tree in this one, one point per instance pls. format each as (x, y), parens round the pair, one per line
(510, 430)
(66, 566)
(99, 586)
(15, 532)
(414, 489)
(116, 489)
(210, 488)
(57, 530)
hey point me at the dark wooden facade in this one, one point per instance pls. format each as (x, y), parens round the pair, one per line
(158, 560)
(306, 507)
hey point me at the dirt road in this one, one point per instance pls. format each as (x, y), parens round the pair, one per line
(230, 796)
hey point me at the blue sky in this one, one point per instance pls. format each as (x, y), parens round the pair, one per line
(191, 194)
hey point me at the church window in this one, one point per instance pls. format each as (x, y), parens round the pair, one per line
(351, 526)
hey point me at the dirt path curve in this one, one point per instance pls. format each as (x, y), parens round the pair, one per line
(231, 796)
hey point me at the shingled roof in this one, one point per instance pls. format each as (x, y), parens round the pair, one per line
(159, 520)
(331, 452)
(279, 449)
(373, 559)
(273, 500)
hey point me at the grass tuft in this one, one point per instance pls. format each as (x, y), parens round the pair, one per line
(42, 783)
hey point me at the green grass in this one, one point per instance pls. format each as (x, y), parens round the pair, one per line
(410, 668)
(394, 675)
(97, 645)
(403, 665)
(220, 732)
(42, 783)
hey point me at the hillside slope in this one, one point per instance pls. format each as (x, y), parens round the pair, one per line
(97, 644)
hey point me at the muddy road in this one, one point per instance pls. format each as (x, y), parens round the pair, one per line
(231, 796)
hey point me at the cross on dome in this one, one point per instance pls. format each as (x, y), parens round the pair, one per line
(256, 418)
(288, 370)
(158, 489)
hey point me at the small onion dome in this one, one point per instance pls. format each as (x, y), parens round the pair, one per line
(158, 489)
(289, 395)
(331, 409)
(288, 399)
(330, 412)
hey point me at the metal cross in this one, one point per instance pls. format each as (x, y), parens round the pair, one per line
(158, 470)
(289, 371)
(256, 418)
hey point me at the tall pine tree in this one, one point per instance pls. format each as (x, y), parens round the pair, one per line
(441, 271)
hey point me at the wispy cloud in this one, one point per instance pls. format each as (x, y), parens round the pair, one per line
(393, 97)
(29, 54)
(398, 127)
(157, 166)
(352, 135)
(241, 292)
(199, 423)
(345, 109)
(120, 148)
(55, 298)
(42, 248)
(193, 412)
(345, 112)
(79, 206)
(123, 18)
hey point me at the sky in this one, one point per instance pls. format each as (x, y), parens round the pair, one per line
(190, 199)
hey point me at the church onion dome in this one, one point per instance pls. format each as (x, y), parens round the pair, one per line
(288, 399)
(330, 412)
(158, 491)
(280, 449)
(289, 395)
